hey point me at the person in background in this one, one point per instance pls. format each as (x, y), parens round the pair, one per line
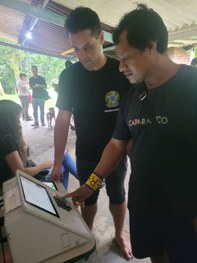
(68, 167)
(92, 89)
(194, 62)
(38, 85)
(22, 88)
(13, 150)
(159, 115)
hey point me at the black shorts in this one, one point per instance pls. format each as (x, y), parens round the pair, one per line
(114, 182)
(156, 236)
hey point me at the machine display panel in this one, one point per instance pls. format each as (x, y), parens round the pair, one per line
(37, 196)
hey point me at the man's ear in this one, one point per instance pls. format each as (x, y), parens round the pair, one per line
(101, 36)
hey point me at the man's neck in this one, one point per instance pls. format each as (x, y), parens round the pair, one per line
(163, 70)
(101, 63)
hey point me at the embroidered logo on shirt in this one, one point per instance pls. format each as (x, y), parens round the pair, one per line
(112, 99)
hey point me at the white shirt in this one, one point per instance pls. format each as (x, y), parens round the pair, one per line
(22, 87)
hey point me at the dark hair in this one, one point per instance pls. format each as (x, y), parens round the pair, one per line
(10, 124)
(22, 75)
(68, 63)
(143, 25)
(83, 18)
(194, 62)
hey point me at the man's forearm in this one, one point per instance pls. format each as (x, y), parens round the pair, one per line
(40, 86)
(60, 139)
(109, 160)
(60, 145)
(110, 157)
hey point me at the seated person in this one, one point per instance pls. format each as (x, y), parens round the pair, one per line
(68, 167)
(13, 154)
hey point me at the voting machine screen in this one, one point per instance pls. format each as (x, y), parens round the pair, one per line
(42, 227)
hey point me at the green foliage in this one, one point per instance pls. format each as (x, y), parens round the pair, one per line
(8, 62)
(14, 61)
(195, 52)
(10, 97)
(192, 51)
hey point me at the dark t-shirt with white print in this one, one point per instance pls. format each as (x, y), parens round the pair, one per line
(163, 128)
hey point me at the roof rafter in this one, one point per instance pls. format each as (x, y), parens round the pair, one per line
(42, 14)
(182, 33)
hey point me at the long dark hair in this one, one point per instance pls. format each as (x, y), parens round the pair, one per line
(10, 124)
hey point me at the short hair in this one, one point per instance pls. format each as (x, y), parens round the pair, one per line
(22, 75)
(83, 18)
(194, 62)
(143, 25)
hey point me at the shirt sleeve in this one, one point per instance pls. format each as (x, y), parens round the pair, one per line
(42, 81)
(7, 145)
(121, 131)
(64, 92)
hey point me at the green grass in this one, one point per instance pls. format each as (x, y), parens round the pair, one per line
(10, 97)
(49, 103)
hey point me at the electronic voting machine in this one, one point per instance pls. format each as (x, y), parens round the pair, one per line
(41, 227)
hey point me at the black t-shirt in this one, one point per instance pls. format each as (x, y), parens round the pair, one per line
(163, 128)
(94, 98)
(37, 92)
(7, 146)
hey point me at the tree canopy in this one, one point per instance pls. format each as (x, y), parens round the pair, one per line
(13, 61)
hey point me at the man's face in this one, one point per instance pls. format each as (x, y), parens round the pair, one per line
(88, 48)
(34, 71)
(134, 63)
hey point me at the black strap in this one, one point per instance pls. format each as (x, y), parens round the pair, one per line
(145, 101)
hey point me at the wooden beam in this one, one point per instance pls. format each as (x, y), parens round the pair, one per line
(183, 33)
(108, 36)
(68, 51)
(46, 53)
(34, 11)
(34, 22)
(42, 14)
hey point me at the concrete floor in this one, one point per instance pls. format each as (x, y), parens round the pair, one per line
(40, 141)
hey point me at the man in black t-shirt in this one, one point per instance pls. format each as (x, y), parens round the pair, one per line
(38, 85)
(159, 115)
(92, 89)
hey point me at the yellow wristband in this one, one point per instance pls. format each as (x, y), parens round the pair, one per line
(94, 181)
